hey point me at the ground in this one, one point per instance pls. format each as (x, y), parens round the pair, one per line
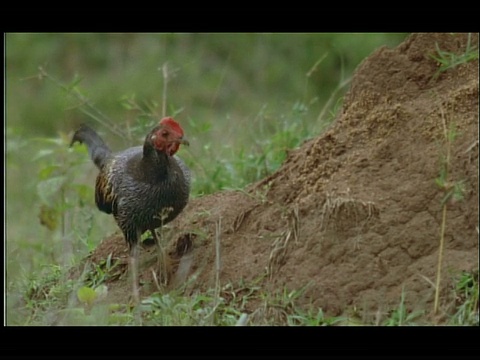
(354, 215)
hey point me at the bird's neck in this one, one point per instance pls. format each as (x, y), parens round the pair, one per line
(155, 162)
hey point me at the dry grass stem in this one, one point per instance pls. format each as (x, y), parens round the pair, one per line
(280, 246)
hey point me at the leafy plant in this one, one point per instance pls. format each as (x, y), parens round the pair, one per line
(401, 316)
(448, 60)
(278, 307)
(311, 318)
(466, 295)
(102, 272)
(45, 291)
(172, 309)
(62, 200)
(87, 295)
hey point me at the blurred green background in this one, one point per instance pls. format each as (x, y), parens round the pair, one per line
(220, 77)
(243, 99)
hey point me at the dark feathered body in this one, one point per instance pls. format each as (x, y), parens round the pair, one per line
(141, 192)
(143, 188)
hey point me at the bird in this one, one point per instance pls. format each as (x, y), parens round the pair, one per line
(143, 187)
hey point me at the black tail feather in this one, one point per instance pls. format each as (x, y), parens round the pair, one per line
(97, 149)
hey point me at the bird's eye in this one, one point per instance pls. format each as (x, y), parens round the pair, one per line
(164, 133)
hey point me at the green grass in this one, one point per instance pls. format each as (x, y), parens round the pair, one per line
(401, 316)
(448, 60)
(466, 300)
(50, 299)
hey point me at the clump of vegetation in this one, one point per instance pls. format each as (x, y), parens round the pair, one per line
(448, 60)
(401, 316)
(466, 299)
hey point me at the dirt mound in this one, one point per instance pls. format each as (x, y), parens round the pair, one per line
(354, 215)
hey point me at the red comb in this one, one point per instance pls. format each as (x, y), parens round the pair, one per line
(168, 121)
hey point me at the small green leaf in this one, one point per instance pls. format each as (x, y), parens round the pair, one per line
(440, 182)
(52, 141)
(47, 171)
(127, 101)
(458, 190)
(42, 153)
(86, 295)
(48, 217)
(452, 133)
(85, 192)
(127, 106)
(81, 150)
(115, 307)
(76, 80)
(48, 188)
(109, 261)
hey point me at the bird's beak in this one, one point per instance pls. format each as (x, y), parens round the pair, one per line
(183, 141)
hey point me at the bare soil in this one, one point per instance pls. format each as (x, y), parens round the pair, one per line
(354, 214)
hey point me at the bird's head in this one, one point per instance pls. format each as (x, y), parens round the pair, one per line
(167, 136)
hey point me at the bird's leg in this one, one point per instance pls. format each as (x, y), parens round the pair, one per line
(134, 270)
(162, 269)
